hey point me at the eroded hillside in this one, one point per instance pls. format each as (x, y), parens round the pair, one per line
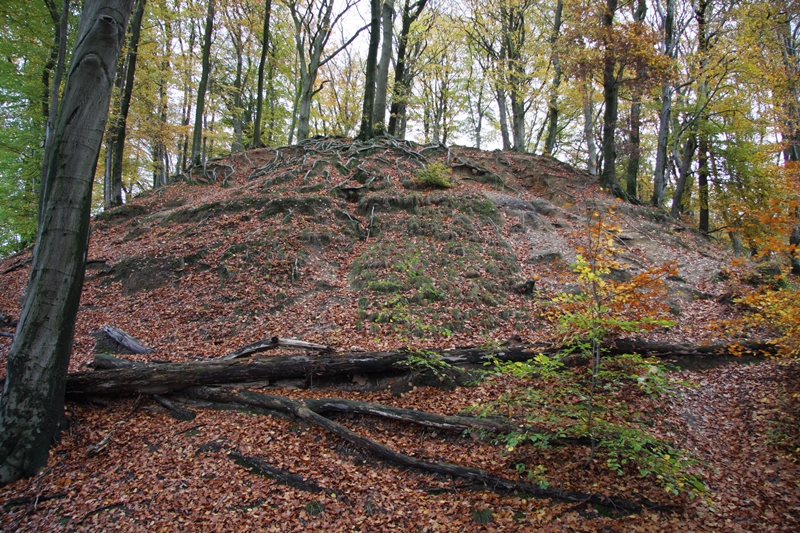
(342, 244)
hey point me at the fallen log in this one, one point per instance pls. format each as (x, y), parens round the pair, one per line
(166, 377)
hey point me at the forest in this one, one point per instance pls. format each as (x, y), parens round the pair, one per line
(690, 106)
(375, 266)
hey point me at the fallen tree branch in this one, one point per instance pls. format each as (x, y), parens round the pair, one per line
(486, 479)
(274, 342)
(263, 468)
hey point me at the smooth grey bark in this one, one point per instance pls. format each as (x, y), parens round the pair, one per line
(32, 401)
(159, 147)
(684, 169)
(368, 105)
(382, 80)
(665, 114)
(52, 89)
(402, 77)
(119, 131)
(552, 114)
(502, 114)
(588, 127)
(197, 134)
(262, 62)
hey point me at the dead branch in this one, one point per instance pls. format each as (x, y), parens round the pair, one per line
(482, 477)
(275, 342)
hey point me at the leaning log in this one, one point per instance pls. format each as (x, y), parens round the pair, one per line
(166, 377)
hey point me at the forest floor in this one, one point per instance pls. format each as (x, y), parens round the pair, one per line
(739, 420)
(338, 244)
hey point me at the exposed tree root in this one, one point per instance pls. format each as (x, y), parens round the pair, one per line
(303, 411)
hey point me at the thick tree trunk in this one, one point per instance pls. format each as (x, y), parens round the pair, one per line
(32, 402)
(167, 377)
(197, 134)
(262, 62)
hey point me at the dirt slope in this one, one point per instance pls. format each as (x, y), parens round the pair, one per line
(339, 243)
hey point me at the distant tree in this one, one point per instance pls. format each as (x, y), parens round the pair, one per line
(403, 75)
(112, 182)
(313, 22)
(32, 402)
(368, 105)
(197, 134)
(262, 64)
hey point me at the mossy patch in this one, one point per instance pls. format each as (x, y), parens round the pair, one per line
(121, 213)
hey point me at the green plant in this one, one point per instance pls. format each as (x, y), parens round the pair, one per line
(588, 402)
(436, 174)
(426, 360)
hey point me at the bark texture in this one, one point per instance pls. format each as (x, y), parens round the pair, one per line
(32, 402)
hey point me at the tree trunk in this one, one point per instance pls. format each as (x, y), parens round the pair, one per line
(402, 83)
(703, 171)
(683, 174)
(665, 115)
(552, 115)
(368, 106)
(32, 402)
(608, 176)
(382, 81)
(197, 134)
(503, 117)
(262, 62)
(634, 145)
(588, 127)
(120, 128)
(52, 89)
(169, 377)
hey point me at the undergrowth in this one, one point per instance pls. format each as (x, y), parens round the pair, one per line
(595, 404)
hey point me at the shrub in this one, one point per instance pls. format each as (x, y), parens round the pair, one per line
(436, 175)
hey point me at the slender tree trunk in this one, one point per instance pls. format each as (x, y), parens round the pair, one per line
(634, 144)
(382, 81)
(120, 128)
(368, 106)
(665, 115)
(588, 127)
(402, 82)
(237, 113)
(684, 170)
(197, 135)
(262, 62)
(32, 401)
(703, 172)
(503, 117)
(552, 114)
(52, 89)
(608, 177)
